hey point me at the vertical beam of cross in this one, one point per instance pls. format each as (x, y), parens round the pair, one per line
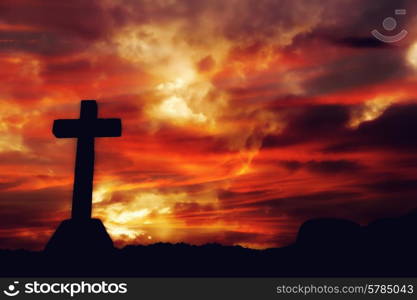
(85, 129)
(82, 197)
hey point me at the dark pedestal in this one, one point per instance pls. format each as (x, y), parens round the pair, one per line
(80, 238)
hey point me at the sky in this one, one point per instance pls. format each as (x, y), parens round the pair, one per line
(241, 119)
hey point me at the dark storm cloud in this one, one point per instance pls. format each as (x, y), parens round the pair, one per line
(354, 20)
(304, 206)
(53, 27)
(409, 162)
(246, 19)
(349, 24)
(324, 167)
(67, 27)
(316, 122)
(333, 166)
(359, 70)
(43, 43)
(356, 206)
(393, 185)
(57, 28)
(316, 198)
(320, 119)
(230, 197)
(395, 129)
(85, 19)
(33, 212)
(361, 42)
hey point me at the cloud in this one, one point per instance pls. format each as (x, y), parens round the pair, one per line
(394, 129)
(361, 42)
(393, 185)
(28, 217)
(324, 167)
(85, 19)
(357, 71)
(313, 122)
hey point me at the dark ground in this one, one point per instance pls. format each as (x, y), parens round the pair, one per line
(324, 247)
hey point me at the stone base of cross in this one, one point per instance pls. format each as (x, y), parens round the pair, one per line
(80, 238)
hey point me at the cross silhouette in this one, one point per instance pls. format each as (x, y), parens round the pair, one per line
(85, 129)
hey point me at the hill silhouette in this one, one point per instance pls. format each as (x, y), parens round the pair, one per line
(323, 247)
